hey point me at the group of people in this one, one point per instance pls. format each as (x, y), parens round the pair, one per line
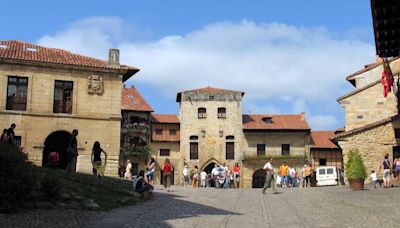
(390, 173)
(289, 177)
(219, 177)
(144, 181)
(8, 135)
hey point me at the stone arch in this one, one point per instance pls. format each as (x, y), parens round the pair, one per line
(259, 178)
(58, 141)
(209, 163)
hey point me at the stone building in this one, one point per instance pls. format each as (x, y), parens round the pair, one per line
(371, 120)
(212, 130)
(48, 92)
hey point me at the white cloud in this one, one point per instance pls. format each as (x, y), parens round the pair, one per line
(323, 122)
(271, 60)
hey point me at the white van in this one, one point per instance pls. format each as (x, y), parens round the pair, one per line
(326, 175)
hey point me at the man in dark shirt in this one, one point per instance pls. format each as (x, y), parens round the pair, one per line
(71, 166)
(10, 134)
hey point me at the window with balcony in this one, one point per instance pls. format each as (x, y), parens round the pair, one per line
(172, 131)
(159, 131)
(202, 113)
(17, 93)
(221, 112)
(63, 97)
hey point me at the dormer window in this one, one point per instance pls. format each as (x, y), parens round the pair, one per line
(221, 112)
(202, 113)
(267, 120)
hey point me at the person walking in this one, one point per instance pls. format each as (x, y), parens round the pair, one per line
(185, 174)
(195, 177)
(128, 170)
(98, 166)
(203, 178)
(283, 170)
(236, 175)
(307, 173)
(11, 134)
(72, 152)
(167, 171)
(396, 166)
(269, 179)
(228, 174)
(387, 170)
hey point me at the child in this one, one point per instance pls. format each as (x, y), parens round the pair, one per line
(374, 178)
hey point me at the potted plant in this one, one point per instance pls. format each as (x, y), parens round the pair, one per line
(355, 170)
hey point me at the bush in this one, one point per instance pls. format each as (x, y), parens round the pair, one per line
(355, 168)
(50, 186)
(16, 178)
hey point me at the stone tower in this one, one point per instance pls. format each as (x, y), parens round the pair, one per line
(211, 126)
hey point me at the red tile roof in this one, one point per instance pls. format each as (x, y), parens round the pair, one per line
(164, 118)
(132, 100)
(367, 68)
(321, 139)
(279, 122)
(19, 50)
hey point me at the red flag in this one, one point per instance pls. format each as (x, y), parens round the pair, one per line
(387, 78)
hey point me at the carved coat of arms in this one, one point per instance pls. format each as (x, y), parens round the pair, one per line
(96, 85)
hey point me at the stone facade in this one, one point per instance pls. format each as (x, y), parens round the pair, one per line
(373, 144)
(97, 117)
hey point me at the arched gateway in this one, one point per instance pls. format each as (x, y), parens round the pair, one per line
(209, 165)
(58, 141)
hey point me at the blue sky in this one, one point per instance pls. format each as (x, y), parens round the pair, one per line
(288, 56)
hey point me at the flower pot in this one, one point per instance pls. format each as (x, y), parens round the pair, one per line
(357, 185)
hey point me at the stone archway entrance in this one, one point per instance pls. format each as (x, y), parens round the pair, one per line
(258, 178)
(58, 141)
(209, 165)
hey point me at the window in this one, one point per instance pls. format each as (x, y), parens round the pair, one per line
(134, 119)
(397, 133)
(164, 152)
(202, 113)
(172, 131)
(221, 112)
(329, 171)
(194, 150)
(260, 149)
(230, 137)
(321, 171)
(267, 120)
(211, 98)
(194, 137)
(322, 161)
(159, 131)
(285, 149)
(17, 93)
(230, 150)
(63, 97)
(17, 141)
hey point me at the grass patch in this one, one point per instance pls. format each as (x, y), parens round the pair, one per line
(113, 193)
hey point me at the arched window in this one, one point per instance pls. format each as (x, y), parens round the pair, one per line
(230, 137)
(193, 137)
(202, 113)
(221, 112)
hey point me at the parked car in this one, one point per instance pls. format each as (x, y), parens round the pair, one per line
(326, 175)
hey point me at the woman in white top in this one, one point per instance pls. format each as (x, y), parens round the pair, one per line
(128, 172)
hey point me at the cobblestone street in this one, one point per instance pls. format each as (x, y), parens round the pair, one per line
(298, 207)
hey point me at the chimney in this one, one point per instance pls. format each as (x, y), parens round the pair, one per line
(303, 116)
(113, 57)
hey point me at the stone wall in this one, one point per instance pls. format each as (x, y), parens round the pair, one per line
(373, 144)
(368, 106)
(273, 142)
(96, 117)
(211, 131)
